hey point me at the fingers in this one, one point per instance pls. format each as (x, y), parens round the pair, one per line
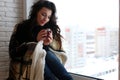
(45, 35)
(48, 40)
(41, 35)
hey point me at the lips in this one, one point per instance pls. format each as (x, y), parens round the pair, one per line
(42, 22)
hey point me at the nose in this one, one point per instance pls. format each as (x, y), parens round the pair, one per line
(46, 19)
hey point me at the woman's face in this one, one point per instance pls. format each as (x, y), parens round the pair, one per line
(43, 16)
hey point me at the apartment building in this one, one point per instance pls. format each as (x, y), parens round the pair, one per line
(89, 48)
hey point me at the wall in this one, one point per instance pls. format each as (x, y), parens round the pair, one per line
(11, 12)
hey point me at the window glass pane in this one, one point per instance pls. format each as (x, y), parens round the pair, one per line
(90, 28)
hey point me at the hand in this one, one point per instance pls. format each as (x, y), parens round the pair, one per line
(49, 37)
(42, 35)
(46, 36)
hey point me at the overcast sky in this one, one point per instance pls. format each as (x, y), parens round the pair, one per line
(88, 13)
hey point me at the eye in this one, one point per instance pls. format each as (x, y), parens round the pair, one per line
(43, 14)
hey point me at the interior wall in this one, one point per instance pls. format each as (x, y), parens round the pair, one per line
(11, 12)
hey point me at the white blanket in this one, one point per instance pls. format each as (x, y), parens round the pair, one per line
(38, 63)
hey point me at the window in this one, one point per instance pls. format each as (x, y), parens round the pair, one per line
(27, 5)
(90, 29)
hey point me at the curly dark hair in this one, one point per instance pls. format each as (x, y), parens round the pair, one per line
(52, 23)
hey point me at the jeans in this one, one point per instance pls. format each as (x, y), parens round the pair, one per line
(54, 69)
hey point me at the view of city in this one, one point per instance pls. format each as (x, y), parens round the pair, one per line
(90, 31)
(92, 53)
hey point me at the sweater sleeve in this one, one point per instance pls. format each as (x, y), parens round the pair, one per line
(15, 48)
(35, 31)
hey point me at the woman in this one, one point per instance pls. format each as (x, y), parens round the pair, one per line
(41, 26)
